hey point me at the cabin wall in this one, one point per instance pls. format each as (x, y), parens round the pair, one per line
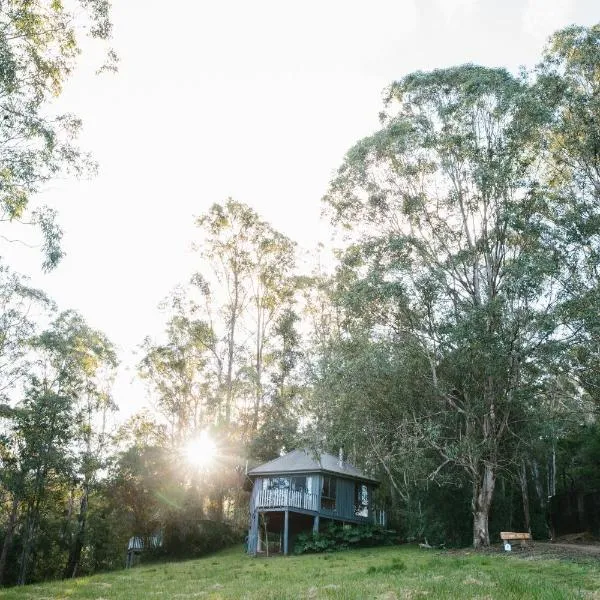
(344, 502)
(295, 502)
(345, 498)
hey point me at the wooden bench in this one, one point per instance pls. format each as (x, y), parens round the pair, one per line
(511, 536)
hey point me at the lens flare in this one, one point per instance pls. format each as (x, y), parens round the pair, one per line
(200, 451)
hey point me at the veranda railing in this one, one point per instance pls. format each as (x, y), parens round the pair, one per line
(287, 498)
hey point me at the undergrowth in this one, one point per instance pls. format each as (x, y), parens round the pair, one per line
(339, 537)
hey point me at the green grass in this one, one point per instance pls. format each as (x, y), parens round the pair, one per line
(388, 573)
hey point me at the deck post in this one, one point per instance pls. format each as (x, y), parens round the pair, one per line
(316, 524)
(286, 527)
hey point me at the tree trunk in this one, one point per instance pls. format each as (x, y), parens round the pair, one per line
(27, 543)
(72, 568)
(483, 492)
(10, 529)
(258, 364)
(231, 346)
(525, 496)
(32, 522)
(539, 490)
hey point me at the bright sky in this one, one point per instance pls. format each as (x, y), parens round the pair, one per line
(255, 100)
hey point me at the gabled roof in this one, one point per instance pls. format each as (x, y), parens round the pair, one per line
(304, 461)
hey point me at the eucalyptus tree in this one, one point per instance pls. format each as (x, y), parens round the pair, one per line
(280, 417)
(227, 356)
(568, 84)
(20, 304)
(455, 233)
(184, 373)
(273, 288)
(226, 254)
(39, 44)
(368, 394)
(49, 433)
(91, 435)
(246, 282)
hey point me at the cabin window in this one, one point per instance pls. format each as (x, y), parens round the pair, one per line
(328, 493)
(361, 499)
(276, 483)
(299, 484)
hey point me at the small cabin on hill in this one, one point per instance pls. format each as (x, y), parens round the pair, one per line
(302, 491)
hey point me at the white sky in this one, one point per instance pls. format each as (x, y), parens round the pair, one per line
(256, 100)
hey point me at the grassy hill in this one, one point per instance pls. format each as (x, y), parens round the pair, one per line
(386, 573)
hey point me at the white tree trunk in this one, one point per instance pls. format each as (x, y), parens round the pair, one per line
(483, 492)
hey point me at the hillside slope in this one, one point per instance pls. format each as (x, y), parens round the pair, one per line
(385, 573)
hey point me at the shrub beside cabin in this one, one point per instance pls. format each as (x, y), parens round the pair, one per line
(301, 491)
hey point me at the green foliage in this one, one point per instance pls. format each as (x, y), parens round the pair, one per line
(339, 537)
(188, 536)
(51, 445)
(578, 459)
(459, 258)
(39, 43)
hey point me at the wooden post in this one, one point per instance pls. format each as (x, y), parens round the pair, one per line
(316, 524)
(286, 528)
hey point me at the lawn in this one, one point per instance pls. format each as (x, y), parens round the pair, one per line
(386, 573)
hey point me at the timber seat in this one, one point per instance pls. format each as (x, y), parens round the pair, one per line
(511, 536)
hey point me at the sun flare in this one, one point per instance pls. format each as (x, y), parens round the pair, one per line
(200, 451)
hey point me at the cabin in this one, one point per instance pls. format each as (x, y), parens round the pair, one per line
(137, 545)
(303, 491)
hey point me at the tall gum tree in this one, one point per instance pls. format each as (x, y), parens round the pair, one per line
(39, 44)
(247, 280)
(568, 83)
(444, 204)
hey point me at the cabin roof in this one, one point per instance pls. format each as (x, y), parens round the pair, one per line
(304, 461)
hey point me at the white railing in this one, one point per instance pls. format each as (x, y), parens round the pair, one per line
(287, 498)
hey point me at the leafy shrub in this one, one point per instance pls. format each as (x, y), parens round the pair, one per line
(338, 537)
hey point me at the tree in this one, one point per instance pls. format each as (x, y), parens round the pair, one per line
(39, 43)
(249, 278)
(60, 393)
(226, 251)
(568, 83)
(17, 302)
(179, 372)
(91, 436)
(278, 428)
(273, 289)
(455, 230)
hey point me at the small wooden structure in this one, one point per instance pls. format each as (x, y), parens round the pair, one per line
(511, 536)
(137, 545)
(300, 491)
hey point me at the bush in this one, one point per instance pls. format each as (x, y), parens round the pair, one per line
(339, 537)
(186, 538)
